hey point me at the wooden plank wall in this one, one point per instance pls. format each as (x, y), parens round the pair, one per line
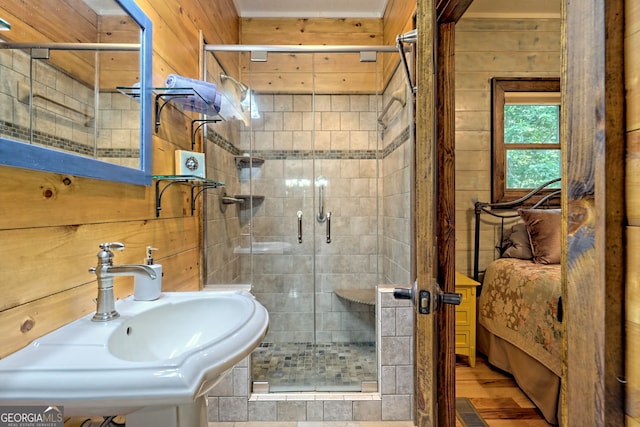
(39, 22)
(335, 73)
(632, 83)
(34, 24)
(398, 19)
(487, 48)
(117, 68)
(294, 73)
(51, 224)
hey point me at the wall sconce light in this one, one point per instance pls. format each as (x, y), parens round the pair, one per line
(4, 25)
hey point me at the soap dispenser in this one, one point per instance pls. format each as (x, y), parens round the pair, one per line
(145, 288)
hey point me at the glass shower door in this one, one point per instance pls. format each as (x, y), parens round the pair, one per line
(283, 273)
(318, 226)
(346, 235)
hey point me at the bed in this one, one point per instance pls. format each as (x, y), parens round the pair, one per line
(520, 304)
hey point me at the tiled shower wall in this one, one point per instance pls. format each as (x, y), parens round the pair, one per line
(64, 116)
(224, 224)
(367, 167)
(340, 133)
(397, 158)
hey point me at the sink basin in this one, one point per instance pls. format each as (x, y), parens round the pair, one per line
(173, 330)
(162, 353)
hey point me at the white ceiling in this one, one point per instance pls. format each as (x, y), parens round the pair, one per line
(310, 8)
(375, 8)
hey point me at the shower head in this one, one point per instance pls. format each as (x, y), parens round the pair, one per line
(241, 88)
(408, 37)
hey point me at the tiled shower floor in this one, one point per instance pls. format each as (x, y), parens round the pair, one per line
(289, 367)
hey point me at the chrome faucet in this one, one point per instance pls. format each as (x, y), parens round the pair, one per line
(106, 271)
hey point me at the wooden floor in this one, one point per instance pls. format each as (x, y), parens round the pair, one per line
(495, 396)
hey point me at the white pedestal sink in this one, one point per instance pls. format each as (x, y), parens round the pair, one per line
(154, 364)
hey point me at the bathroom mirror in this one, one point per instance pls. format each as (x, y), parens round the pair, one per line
(75, 88)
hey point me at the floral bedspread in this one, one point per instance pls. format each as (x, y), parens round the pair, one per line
(519, 303)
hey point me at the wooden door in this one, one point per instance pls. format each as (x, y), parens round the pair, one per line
(426, 334)
(593, 123)
(446, 212)
(435, 208)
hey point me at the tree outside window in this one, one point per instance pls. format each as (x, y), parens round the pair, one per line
(525, 135)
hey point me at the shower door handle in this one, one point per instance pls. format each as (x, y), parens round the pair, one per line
(321, 182)
(299, 226)
(328, 227)
(321, 216)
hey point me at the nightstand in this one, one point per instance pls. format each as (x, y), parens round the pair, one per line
(466, 318)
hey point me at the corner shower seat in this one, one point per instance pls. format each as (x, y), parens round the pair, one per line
(362, 296)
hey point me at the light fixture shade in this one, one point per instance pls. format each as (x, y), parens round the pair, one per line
(4, 25)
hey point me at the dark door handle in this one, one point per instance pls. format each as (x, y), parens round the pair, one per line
(424, 298)
(403, 293)
(450, 298)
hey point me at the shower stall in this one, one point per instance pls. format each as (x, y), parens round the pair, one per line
(315, 213)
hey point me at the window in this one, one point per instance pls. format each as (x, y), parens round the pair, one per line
(525, 135)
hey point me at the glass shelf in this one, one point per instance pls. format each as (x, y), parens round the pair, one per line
(187, 178)
(130, 91)
(134, 92)
(167, 94)
(226, 111)
(248, 161)
(246, 197)
(201, 105)
(197, 183)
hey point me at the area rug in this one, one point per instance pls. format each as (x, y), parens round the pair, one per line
(467, 414)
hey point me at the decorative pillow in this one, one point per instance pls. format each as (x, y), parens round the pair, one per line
(544, 227)
(516, 244)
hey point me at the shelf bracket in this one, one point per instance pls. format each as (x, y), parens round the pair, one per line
(195, 194)
(195, 129)
(166, 97)
(183, 179)
(160, 192)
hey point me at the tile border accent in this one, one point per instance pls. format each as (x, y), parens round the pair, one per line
(21, 133)
(397, 142)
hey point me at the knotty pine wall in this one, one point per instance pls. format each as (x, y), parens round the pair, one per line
(333, 72)
(51, 224)
(31, 23)
(322, 72)
(632, 83)
(487, 48)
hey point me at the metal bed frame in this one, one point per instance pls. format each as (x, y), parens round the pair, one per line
(504, 211)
